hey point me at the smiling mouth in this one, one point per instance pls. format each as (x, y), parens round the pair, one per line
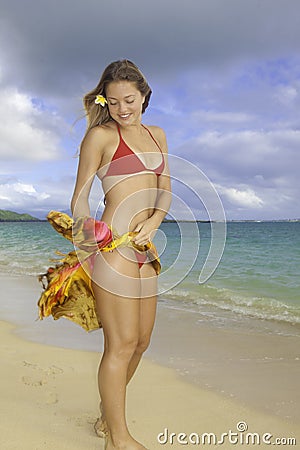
(124, 116)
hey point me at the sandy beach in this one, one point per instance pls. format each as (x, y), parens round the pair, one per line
(218, 381)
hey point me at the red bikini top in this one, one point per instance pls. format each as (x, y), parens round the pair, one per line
(132, 163)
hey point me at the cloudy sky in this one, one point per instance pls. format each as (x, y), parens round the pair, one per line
(225, 76)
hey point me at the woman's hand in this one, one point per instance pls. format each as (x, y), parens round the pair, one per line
(146, 231)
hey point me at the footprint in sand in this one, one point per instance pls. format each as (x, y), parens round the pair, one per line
(31, 365)
(33, 381)
(54, 370)
(50, 371)
(39, 376)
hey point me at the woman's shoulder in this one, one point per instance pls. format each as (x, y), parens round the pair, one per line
(103, 129)
(158, 133)
(154, 128)
(101, 133)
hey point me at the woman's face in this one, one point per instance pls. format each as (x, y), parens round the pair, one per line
(124, 102)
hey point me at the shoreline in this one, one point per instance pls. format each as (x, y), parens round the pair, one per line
(250, 369)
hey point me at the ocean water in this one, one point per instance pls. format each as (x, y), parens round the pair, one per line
(257, 276)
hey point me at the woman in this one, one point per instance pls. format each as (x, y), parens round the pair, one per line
(130, 159)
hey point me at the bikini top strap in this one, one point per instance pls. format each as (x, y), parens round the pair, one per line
(152, 136)
(119, 131)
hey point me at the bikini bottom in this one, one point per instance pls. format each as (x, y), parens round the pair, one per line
(141, 258)
(67, 287)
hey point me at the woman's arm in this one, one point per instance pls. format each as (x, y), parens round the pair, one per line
(164, 196)
(89, 161)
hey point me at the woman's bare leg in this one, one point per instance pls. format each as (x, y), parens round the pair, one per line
(147, 317)
(120, 317)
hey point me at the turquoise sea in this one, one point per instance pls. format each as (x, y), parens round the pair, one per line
(258, 275)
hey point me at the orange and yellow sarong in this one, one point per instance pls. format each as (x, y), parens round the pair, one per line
(67, 286)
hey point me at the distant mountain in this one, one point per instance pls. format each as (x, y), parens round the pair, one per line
(11, 216)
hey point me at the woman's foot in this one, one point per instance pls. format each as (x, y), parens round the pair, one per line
(100, 428)
(131, 444)
(100, 425)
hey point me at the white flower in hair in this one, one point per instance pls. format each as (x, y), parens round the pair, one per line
(100, 100)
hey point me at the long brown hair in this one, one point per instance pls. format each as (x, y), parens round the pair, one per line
(115, 71)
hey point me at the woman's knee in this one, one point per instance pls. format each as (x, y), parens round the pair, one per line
(123, 349)
(142, 344)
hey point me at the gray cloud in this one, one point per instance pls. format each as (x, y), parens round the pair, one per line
(58, 46)
(255, 173)
(27, 132)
